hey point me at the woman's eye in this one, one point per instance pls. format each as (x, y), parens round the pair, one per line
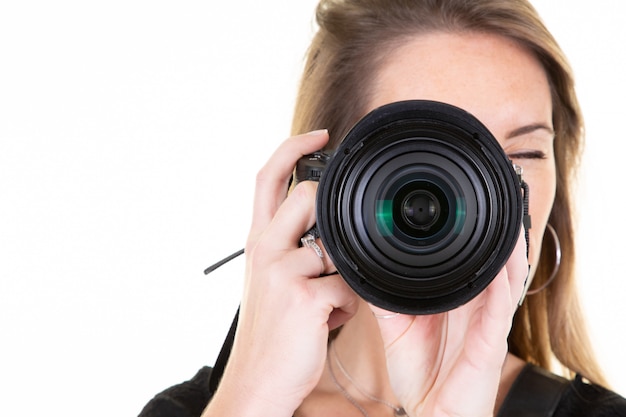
(531, 154)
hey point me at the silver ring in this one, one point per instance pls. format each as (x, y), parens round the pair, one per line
(308, 241)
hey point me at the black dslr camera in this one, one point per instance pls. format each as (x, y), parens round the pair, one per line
(419, 207)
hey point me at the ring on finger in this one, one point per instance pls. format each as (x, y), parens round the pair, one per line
(308, 241)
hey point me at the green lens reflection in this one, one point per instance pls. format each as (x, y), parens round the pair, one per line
(384, 217)
(385, 222)
(461, 212)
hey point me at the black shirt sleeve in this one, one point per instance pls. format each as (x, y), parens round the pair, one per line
(187, 399)
(588, 400)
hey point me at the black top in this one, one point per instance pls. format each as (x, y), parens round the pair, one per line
(534, 389)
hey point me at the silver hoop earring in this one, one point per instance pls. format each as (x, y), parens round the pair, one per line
(557, 261)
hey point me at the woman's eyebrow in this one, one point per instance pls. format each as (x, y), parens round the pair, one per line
(524, 130)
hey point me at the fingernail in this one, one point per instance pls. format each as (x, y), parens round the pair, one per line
(318, 132)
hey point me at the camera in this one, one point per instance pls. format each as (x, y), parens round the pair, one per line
(419, 207)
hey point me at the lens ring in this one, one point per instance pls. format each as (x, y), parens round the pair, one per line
(399, 250)
(484, 185)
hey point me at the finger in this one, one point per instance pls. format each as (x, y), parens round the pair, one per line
(414, 348)
(382, 314)
(391, 325)
(497, 316)
(337, 300)
(394, 326)
(315, 245)
(293, 218)
(340, 316)
(273, 179)
(518, 270)
(503, 294)
(306, 262)
(336, 296)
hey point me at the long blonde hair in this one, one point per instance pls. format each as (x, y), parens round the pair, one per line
(353, 40)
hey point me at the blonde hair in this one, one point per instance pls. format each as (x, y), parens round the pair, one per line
(353, 40)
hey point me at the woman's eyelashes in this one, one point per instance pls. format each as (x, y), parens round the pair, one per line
(528, 154)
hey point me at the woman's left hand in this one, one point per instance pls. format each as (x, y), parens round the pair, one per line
(450, 364)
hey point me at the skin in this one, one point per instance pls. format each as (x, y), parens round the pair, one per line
(454, 363)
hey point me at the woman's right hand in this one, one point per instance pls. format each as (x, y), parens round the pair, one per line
(287, 310)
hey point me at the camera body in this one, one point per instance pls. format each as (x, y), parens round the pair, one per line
(419, 207)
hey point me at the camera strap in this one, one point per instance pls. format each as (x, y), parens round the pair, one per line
(222, 358)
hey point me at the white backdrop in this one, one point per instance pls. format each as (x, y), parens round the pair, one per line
(130, 134)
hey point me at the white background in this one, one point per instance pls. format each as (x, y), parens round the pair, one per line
(130, 134)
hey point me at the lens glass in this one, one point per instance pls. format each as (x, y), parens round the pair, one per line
(418, 209)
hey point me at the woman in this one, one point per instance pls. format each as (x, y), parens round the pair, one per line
(307, 345)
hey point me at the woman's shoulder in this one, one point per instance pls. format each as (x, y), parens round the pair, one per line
(585, 399)
(187, 399)
(538, 393)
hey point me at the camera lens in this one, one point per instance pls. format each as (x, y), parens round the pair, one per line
(419, 208)
(412, 211)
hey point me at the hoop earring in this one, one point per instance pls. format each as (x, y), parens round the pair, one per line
(557, 261)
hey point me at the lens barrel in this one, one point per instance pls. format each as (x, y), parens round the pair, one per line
(419, 207)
